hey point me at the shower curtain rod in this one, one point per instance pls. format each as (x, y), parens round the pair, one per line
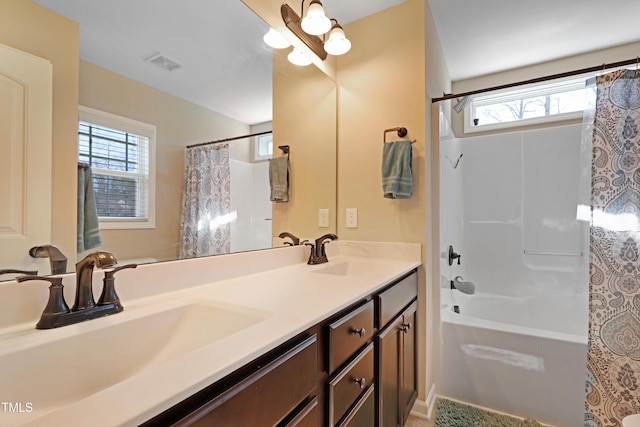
(602, 67)
(229, 139)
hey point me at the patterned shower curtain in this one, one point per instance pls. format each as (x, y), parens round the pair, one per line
(613, 378)
(206, 202)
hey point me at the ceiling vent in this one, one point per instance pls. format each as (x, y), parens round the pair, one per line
(163, 62)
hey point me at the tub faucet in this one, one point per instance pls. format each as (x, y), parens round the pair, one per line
(453, 256)
(84, 278)
(468, 288)
(318, 254)
(56, 257)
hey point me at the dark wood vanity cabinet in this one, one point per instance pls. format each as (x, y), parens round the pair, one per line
(396, 352)
(277, 389)
(355, 369)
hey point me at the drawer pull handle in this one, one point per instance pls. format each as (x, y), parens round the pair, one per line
(360, 332)
(406, 327)
(362, 382)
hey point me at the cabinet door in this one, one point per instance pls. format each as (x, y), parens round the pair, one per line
(388, 346)
(25, 163)
(409, 375)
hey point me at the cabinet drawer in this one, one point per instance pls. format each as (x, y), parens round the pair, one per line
(306, 417)
(350, 384)
(364, 413)
(393, 300)
(350, 333)
(267, 396)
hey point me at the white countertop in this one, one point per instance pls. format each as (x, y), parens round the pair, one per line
(287, 300)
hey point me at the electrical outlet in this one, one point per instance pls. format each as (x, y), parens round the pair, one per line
(352, 218)
(323, 218)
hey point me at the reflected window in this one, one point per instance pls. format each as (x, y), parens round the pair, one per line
(263, 147)
(120, 152)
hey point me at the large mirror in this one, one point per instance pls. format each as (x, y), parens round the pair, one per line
(230, 84)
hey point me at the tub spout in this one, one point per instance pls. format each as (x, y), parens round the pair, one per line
(464, 287)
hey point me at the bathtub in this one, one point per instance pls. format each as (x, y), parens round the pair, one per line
(523, 356)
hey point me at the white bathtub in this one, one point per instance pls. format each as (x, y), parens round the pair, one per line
(521, 356)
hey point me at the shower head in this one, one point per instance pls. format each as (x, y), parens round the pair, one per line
(461, 104)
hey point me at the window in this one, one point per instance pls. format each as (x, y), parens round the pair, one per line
(558, 100)
(263, 148)
(121, 153)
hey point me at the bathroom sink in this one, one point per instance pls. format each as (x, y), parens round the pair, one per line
(345, 268)
(60, 371)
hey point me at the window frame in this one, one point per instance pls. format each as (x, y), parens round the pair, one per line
(256, 148)
(528, 91)
(113, 121)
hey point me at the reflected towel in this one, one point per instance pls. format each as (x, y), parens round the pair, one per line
(397, 176)
(88, 225)
(279, 179)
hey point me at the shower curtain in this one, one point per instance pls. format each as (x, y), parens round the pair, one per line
(613, 377)
(206, 202)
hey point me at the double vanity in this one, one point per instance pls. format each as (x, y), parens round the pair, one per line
(256, 338)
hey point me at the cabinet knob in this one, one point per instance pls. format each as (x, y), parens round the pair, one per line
(360, 332)
(362, 382)
(406, 327)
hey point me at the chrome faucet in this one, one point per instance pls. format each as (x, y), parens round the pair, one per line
(56, 257)
(318, 254)
(57, 313)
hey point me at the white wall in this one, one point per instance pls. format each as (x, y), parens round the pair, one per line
(513, 192)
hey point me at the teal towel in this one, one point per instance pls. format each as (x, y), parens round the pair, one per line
(279, 179)
(397, 176)
(88, 231)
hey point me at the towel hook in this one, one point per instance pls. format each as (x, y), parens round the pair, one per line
(402, 132)
(284, 148)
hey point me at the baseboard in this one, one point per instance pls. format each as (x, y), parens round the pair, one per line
(424, 409)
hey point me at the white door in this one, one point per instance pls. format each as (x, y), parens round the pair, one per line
(25, 159)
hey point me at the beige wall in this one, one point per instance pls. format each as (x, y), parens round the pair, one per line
(178, 124)
(387, 79)
(304, 117)
(30, 28)
(591, 59)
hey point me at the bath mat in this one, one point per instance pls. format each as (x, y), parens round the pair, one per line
(453, 414)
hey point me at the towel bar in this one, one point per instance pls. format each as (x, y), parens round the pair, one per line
(402, 132)
(527, 252)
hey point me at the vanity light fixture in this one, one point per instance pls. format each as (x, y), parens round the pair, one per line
(275, 40)
(337, 43)
(297, 57)
(315, 22)
(309, 31)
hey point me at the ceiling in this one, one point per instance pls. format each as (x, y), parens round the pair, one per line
(479, 37)
(226, 66)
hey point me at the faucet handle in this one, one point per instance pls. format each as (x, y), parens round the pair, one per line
(14, 271)
(109, 295)
(110, 273)
(56, 303)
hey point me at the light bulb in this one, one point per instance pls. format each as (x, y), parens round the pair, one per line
(316, 22)
(296, 57)
(275, 40)
(337, 44)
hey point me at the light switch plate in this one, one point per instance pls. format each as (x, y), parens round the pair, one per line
(352, 217)
(323, 217)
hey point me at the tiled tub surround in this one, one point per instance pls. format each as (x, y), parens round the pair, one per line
(274, 294)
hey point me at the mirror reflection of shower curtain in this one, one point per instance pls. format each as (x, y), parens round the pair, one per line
(206, 202)
(613, 377)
